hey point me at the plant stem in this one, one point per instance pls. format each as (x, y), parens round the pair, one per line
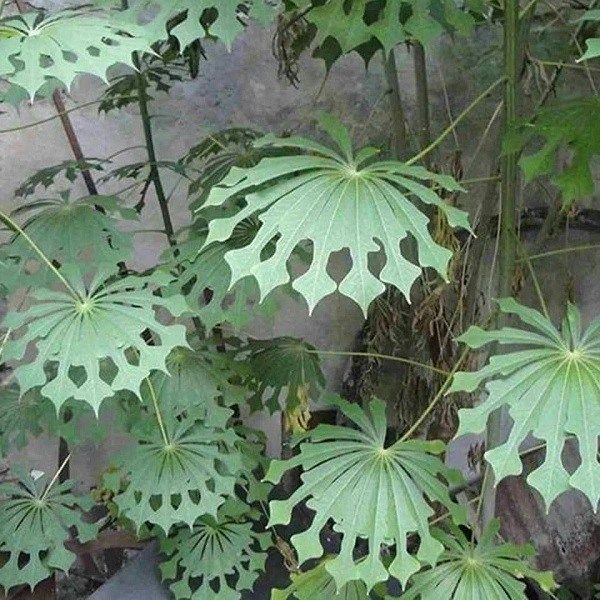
(407, 361)
(14, 227)
(534, 279)
(507, 249)
(397, 116)
(580, 248)
(58, 115)
(154, 172)
(438, 396)
(422, 93)
(159, 418)
(456, 121)
(56, 476)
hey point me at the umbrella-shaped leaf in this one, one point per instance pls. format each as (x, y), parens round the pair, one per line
(35, 522)
(484, 569)
(335, 200)
(101, 326)
(175, 481)
(195, 380)
(551, 384)
(218, 558)
(63, 45)
(272, 366)
(370, 491)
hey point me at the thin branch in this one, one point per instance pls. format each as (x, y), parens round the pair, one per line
(438, 396)
(400, 359)
(159, 417)
(56, 476)
(580, 248)
(16, 229)
(154, 172)
(458, 119)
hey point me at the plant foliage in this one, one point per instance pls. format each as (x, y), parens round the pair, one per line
(347, 469)
(336, 201)
(219, 557)
(550, 382)
(35, 47)
(92, 338)
(36, 519)
(477, 570)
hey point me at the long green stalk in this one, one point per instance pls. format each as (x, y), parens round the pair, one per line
(507, 249)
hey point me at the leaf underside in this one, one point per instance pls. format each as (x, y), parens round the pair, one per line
(551, 384)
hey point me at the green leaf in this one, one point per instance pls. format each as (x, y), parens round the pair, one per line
(70, 231)
(336, 201)
(35, 523)
(102, 327)
(176, 482)
(481, 570)
(593, 44)
(63, 45)
(70, 169)
(572, 125)
(23, 417)
(550, 383)
(318, 584)
(190, 20)
(272, 366)
(195, 380)
(346, 470)
(218, 558)
(19, 419)
(356, 24)
(206, 280)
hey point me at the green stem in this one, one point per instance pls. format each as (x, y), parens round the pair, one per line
(400, 359)
(56, 476)
(16, 229)
(534, 279)
(397, 116)
(438, 396)
(422, 98)
(580, 248)
(456, 121)
(150, 148)
(4, 340)
(58, 115)
(159, 417)
(507, 248)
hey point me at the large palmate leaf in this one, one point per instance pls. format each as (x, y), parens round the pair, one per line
(198, 381)
(72, 230)
(336, 201)
(272, 366)
(572, 126)
(477, 571)
(346, 470)
(552, 385)
(35, 48)
(190, 20)
(35, 522)
(92, 342)
(206, 281)
(218, 558)
(176, 481)
(389, 22)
